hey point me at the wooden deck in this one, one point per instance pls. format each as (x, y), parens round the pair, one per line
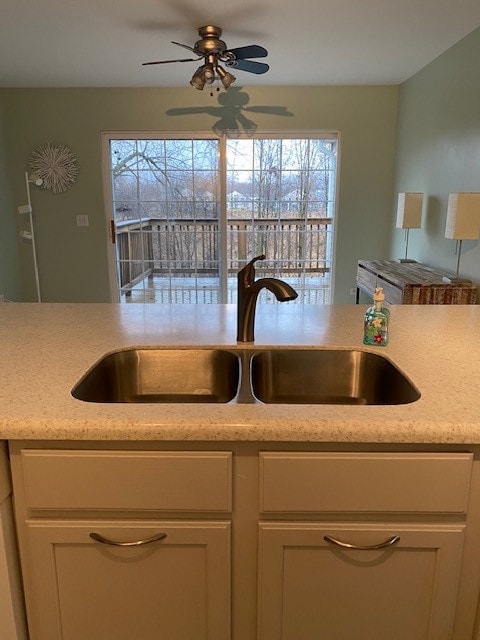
(155, 289)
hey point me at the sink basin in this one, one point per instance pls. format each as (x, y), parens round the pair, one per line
(327, 376)
(277, 376)
(162, 375)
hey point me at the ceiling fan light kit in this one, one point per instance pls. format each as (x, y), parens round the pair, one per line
(213, 51)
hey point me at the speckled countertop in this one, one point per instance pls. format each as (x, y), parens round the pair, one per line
(46, 348)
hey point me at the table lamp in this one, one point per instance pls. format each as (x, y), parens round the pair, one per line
(463, 220)
(409, 216)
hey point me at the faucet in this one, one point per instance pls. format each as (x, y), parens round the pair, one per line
(248, 290)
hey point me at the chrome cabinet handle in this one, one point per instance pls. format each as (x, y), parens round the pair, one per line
(346, 545)
(135, 543)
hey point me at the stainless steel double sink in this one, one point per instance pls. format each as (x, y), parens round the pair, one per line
(224, 375)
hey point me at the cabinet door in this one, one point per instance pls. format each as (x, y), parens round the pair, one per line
(313, 590)
(176, 588)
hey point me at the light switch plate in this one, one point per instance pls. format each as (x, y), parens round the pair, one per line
(82, 221)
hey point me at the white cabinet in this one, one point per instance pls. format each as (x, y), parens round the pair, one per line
(404, 592)
(370, 564)
(126, 544)
(176, 588)
(239, 543)
(12, 612)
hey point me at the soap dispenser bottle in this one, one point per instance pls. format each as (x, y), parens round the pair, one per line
(376, 321)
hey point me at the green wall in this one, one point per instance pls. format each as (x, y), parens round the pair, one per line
(10, 286)
(438, 152)
(72, 260)
(432, 146)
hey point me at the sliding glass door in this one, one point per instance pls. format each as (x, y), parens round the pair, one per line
(188, 212)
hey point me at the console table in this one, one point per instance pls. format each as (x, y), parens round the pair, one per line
(412, 283)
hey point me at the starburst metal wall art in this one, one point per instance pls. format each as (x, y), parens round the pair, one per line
(55, 165)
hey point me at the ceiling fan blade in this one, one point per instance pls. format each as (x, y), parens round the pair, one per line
(250, 51)
(248, 65)
(144, 64)
(185, 46)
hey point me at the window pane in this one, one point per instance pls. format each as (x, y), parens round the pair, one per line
(278, 192)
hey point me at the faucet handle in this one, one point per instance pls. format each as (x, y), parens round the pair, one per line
(247, 274)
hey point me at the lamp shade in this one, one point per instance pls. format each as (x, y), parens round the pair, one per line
(463, 216)
(409, 210)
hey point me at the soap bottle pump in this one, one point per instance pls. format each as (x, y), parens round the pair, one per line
(376, 321)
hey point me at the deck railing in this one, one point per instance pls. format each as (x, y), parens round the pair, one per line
(184, 248)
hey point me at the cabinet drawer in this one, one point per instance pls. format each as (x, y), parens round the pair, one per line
(382, 482)
(128, 480)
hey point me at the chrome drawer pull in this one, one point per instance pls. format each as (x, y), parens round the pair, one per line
(135, 543)
(346, 545)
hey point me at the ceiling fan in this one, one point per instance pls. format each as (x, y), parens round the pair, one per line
(213, 51)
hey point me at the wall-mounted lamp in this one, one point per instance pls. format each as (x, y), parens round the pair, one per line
(463, 220)
(409, 216)
(30, 235)
(34, 179)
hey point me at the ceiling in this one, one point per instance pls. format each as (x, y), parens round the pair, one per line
(102, 43)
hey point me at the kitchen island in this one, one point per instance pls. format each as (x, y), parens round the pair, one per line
(241, 510)
(46, 348)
